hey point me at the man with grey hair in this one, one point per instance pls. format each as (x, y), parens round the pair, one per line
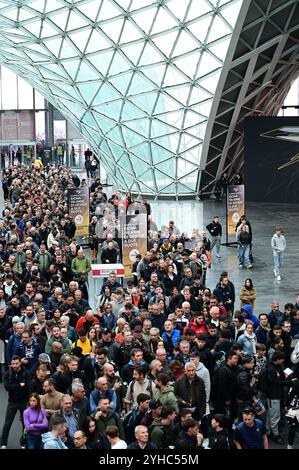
(71, 331)
(70, 415)
(190, 392)
(14, 341)
(80, 402)
(142, 439)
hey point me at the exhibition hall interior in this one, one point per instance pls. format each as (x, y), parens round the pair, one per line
(149, 207)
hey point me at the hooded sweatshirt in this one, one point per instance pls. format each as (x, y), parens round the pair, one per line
(204, 374)
(278, 244)
(52, 442)
(250, 315)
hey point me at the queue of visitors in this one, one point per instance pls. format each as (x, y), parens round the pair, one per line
(165, 362)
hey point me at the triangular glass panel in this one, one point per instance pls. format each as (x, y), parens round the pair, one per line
(67, 50)
(38, 5)
(210, 83)
(159, 128)
(72, 67)
(178, 8)
(173, 77)
(76, 21)
(51, 6)
(80, 39)
(34, 27)
(53, 45)
(231, 12)
(155, 73)
(163, 21)
(139, 84)
(113, 29)
(145, 18)
(150, 55)
(105, 94)
(108, 10)
(188, 64)
(86, 73)
(111, 109)
(59, 19)
(90, 9)
(131, 138)
(90, 121)
(207, 64)
(220, 49)
(159, 154)
(26, 14)
(48, 29)
(166, 42)
(198, 8)
(219, 29)
(119, 64)
(181, 94)
(139, 125)
(88, 90)
(121, 82)
(185, 44)
(130, 32)
(133, 51)
(97, 42)
(102, 61)
(200, 29)
(130, 111)
(145, 102)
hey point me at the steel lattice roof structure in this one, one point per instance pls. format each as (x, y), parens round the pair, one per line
(160, 88)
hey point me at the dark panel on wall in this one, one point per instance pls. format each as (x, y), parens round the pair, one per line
(272, 159)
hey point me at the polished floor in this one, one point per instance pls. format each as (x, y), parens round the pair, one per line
(263, 218)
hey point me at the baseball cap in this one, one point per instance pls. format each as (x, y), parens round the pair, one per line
(106, 331)
(154, 404)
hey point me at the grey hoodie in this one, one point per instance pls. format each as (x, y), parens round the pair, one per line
(52, 442)
(278, 244)
(203, 373)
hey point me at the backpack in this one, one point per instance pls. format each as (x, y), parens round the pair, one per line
(149, 388)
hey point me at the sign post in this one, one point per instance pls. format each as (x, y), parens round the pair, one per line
(78, 202)
(235, 208)
(134, 236)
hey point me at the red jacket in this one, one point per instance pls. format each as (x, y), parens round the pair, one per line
(199, 329)
(81, 323)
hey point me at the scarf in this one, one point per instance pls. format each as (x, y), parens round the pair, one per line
(251, 338)
(266, 328)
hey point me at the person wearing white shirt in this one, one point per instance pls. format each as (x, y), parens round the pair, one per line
(112, 434)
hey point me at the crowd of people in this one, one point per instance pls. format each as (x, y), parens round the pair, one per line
(163, 362)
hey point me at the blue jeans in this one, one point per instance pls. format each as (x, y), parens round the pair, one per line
(34, 442)
(243, 254)
(278, 260)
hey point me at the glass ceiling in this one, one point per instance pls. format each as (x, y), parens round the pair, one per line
(137, 77)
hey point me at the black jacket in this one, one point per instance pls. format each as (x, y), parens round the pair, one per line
(149, 445)
(225, 384)
(214, 229)
(12, 381)
(193, 393)
(221, 440)
(183, 441)
(275, 381)
(245, 392)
